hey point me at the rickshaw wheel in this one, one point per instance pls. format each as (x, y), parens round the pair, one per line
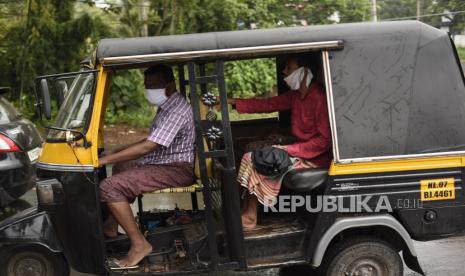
(33, 261)
(363, 257)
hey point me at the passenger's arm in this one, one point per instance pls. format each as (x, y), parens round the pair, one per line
(318, 144)
(273, 104)
(133, 152)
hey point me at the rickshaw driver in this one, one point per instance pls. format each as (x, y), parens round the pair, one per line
(165, 159)
(310, 127)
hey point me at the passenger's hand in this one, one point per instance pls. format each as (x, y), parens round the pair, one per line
(230, 101)
(283, 147)
(303, 84)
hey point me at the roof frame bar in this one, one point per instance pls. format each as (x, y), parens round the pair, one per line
(227, 53)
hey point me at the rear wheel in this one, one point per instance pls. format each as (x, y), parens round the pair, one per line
(363, 257)
(33, 261)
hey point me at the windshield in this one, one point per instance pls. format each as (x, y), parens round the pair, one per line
(74, 93)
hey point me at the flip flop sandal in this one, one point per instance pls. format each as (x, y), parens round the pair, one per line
(114, 264)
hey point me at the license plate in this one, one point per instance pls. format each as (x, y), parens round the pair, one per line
(437, 189)
(34, 154)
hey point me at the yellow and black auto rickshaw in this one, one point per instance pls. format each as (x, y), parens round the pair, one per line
(396, 103)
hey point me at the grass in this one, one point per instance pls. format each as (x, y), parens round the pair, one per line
(461, 52)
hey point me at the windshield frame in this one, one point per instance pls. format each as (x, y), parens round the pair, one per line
(88, 115)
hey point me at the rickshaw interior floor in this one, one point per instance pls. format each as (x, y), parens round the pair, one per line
(176, 247)
(274, 240)
(274, 226)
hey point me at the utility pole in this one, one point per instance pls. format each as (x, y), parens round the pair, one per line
(418, 10)
(143, 17)
(23, 54)
(374, 17)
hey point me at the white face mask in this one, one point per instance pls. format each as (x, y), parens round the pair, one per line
(294, 79)
(156, 96)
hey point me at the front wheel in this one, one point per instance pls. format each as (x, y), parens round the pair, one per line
(363, 256)
(32, 261)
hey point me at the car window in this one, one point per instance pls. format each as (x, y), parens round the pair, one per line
(7, 112)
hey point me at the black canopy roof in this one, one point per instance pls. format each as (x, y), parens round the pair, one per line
(139, 46)
(397, 87)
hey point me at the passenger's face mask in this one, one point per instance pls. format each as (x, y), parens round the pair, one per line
(296, 77)
(156, 96)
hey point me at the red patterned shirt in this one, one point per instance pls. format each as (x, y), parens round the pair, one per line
(309, 121)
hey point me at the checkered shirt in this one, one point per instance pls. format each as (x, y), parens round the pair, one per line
(173, 129)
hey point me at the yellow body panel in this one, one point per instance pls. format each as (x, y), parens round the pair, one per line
(98, 112)
(75, 153)
(62, 154)
(398, 165)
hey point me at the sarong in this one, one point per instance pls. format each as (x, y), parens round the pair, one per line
(265, 188)
(131, 179)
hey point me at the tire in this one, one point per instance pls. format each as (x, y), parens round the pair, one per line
(32, 261)
(362, 256)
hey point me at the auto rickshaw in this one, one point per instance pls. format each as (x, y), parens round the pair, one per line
(396, 103)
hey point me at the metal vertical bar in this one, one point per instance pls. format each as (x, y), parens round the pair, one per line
(211, 227)
(232, 201)
(141, 210)
(194, 201)
(203, 86)
(182, 80)
(225, 115)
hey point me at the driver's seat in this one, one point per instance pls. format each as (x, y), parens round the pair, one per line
(305, 180)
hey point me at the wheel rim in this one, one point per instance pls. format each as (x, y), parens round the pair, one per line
(28, 266)
(366, 267)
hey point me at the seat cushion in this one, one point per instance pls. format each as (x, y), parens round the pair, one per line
(305, 180)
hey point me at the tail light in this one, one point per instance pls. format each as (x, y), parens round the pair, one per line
(7, 145)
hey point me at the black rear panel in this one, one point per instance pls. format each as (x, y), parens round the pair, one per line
(424, 218)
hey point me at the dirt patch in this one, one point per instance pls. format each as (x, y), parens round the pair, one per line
(122, 134)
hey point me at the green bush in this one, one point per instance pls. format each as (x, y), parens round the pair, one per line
(461, 52)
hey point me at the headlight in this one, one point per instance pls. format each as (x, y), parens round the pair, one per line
(49, 192)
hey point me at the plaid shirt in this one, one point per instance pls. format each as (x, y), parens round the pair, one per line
(173, 129)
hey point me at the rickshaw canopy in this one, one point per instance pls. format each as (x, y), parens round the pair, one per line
(395, 89)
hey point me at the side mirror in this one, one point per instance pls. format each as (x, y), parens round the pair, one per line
(45, 95)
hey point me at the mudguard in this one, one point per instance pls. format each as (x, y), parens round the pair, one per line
(29, 227)
(409, 253)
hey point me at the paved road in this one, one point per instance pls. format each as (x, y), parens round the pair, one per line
(438, 258)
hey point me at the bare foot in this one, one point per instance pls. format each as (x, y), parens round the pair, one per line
(136, 254)
(248, 222)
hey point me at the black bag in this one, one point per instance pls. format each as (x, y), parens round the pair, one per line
(271, 161)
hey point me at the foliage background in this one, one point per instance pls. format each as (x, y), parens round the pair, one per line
(39, 37)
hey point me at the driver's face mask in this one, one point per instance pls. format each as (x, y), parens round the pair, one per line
(156, 96)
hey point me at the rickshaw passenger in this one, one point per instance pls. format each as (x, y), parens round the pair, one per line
(165, 159)
(310, 128)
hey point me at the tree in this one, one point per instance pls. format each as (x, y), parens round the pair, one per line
(48, 39)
